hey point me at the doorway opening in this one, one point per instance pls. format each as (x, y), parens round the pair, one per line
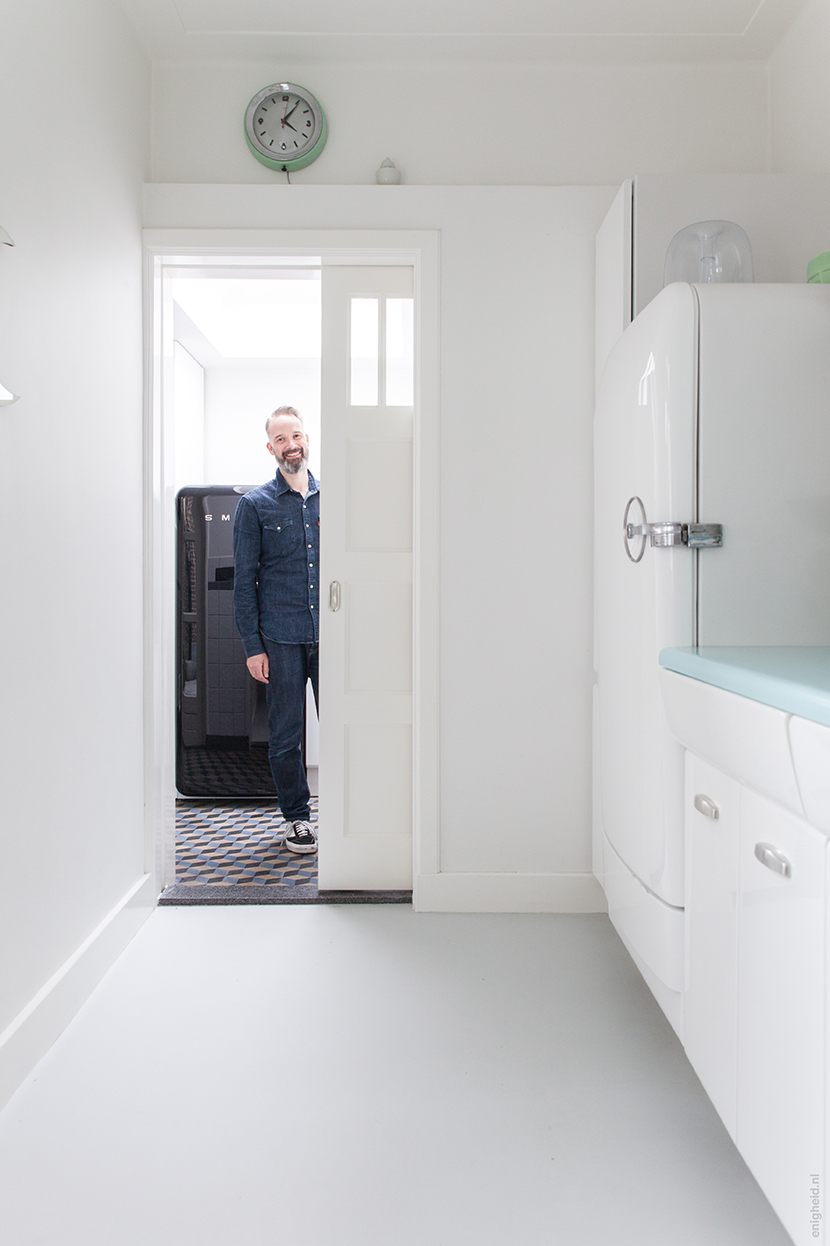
(236, 333)
(246, 339)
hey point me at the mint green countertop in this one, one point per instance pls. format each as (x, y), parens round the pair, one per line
(796, 680)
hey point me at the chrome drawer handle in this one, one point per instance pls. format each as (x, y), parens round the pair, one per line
(769, 856)
(334, 595)
(706, 806)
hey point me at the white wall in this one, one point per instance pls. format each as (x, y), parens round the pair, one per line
(72, 835)
(189, 398)
(784, 214)
(450, 124)
(517, 310)
(800, 94)
(237, 400)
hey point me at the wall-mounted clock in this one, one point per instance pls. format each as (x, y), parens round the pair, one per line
(285, 126)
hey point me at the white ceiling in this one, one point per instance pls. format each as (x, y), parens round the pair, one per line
(469, 30)
(563, 17)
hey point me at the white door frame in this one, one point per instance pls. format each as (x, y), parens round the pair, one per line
(167, 247)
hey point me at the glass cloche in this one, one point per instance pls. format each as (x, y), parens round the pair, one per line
(709, 251)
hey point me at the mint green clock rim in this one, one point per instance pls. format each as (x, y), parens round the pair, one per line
(301, 161)
(818, 270)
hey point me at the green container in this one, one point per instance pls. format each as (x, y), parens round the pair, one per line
(819, 268)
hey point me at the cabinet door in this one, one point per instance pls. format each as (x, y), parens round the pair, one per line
(710, 999)
(781, 1040)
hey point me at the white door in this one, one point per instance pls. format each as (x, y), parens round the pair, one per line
(366, 579)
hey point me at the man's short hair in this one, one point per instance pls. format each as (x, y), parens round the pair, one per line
(283, 411)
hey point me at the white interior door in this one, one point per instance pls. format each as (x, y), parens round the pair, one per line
(366, 579)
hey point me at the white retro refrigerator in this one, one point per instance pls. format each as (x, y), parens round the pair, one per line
(712, 527)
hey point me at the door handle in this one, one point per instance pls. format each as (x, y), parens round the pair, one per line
(334, 595)
(769, 856)
(666, 533)
(706, 806)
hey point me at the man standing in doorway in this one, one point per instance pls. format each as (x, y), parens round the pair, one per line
(276, 597)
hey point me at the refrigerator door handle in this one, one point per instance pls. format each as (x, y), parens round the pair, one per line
(666, 533)
(633, 531)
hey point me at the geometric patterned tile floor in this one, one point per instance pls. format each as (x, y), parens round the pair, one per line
(230, 852)
(237, 843)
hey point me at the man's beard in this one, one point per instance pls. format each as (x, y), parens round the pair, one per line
(292, 466)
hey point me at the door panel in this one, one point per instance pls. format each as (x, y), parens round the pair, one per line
(389, 465)
(366, 548)
(379, 637)
(710, 1002)
(781, 1040)
(379, 770)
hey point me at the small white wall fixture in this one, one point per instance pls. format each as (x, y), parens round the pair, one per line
(6, 396)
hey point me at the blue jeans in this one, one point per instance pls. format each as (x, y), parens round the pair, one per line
(289, 669)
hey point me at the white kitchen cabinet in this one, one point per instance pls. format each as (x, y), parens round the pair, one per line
(781, 1074)
(710, 1033)
(755, 998)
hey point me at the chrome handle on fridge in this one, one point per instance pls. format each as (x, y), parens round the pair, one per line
(667, 533)
(770, 856)
(630, 530)
(706, 806)
(334, 595)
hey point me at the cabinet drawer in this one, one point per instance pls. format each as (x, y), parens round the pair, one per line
(781, 1081)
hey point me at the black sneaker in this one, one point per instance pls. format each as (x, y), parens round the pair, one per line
(300, 837)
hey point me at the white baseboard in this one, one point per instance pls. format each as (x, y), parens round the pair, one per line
(507, 893)
(35, 1028)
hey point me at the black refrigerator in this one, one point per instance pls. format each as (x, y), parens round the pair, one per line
(221, 717)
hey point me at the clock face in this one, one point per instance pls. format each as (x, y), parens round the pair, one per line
(285, 126)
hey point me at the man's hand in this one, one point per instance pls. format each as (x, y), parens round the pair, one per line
(258, 666)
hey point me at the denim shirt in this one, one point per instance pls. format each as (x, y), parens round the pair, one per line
(276, 549)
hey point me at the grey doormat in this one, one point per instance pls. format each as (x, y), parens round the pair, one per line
(275, 893)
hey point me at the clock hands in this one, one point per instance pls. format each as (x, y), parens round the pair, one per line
(284, 119)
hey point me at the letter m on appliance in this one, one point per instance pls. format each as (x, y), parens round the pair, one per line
(226, 518)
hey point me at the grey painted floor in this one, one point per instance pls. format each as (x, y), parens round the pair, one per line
(366, 1076)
